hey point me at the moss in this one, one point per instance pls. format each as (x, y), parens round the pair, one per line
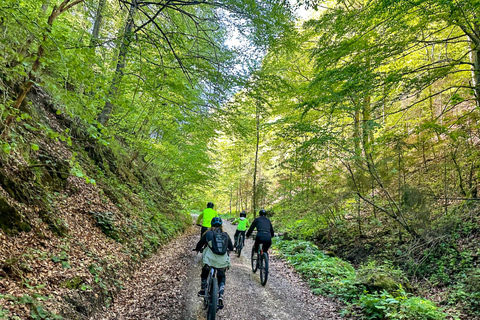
(11, 221)
(72, 283)
(377, 278)
(55, 224)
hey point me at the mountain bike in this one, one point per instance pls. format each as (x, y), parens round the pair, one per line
(210, 300)
(260, 261)
(240, 242)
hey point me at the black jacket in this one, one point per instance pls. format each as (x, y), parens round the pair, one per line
(208, 236)
(264, 227)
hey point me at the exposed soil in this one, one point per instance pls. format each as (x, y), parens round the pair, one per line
(166, 288)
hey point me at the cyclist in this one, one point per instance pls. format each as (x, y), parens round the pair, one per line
(206, 216)
(213, 242)
(264, 231)
(243, 224)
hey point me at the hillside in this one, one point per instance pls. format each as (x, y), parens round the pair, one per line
(68, 243)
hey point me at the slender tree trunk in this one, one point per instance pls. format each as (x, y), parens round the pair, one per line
(231, 197)
(104, 116)
(98, 23)
(475, 59)
(356, 132)
(254, 198)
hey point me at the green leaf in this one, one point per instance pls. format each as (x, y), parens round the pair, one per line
(34, 146)
(6, 148)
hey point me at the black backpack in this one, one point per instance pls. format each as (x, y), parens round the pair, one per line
(219, 242)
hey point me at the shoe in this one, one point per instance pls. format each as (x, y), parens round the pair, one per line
(201, 293)
(220, 302)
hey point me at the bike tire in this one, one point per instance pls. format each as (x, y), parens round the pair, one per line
(239, 246)
(213, 300)
(254, 259)
(264, 269)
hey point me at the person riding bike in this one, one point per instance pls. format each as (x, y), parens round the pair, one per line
(206, 216)
(264, 231)
(212, 243)
(243, 224)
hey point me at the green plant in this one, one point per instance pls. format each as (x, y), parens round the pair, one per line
(37, 310)
(399, 305)
(63, 259)
(106, 222)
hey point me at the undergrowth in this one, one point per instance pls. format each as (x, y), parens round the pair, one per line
(335, 277)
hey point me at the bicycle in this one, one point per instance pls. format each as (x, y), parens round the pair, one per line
(260, 263)
(210, 300)
(240, 242)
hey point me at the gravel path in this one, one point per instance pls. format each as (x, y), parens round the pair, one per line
(166, 288)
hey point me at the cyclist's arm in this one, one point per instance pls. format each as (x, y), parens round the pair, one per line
(252, 227)
(271, 230)
(235, 221)
(202, 242)
(230, 244)
(200, 217)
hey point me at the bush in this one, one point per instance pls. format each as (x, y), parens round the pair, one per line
(399, 306)
(324, 274)
(335, 277)
(467, 292)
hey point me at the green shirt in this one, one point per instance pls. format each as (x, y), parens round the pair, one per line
(207, 215)
(243, 224)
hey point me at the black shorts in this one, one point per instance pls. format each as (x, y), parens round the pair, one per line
(267, 242)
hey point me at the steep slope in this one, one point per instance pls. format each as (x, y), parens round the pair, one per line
(77, 215)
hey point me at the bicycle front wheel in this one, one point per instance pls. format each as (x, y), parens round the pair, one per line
(264, 269)
(213, 300)
(254, 261)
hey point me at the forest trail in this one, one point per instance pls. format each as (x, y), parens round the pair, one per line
(166, 288)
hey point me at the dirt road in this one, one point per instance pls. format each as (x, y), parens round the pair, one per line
(167, 286)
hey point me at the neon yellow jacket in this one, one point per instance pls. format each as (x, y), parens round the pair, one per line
(207, 215)
(243, 223)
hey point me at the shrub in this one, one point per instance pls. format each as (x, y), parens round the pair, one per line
(335, 277)
(399, 305)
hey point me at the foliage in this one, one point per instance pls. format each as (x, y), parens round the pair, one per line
(335, 277)
(467, 292)
(34, 302)
(399, 305)
(326, 275)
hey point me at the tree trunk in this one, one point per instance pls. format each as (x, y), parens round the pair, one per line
(254, 198)
(104, 116)
(475, 59)
(98, 23)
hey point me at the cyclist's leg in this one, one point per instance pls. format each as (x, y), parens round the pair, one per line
(255, 245)
(236, 237)
(221, 286)
(204, 277)
(266, 244)
(243, 237)
(202, 232)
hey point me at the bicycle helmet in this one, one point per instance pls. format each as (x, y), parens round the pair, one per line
(262, 212)
(217, 222)
(243, 214)
(210, 205)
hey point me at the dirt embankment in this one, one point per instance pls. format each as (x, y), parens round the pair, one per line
(166, 288)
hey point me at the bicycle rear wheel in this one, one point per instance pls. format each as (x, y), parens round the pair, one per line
(239, 245)
(254, 260)
(213, 300)
(264, 268)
